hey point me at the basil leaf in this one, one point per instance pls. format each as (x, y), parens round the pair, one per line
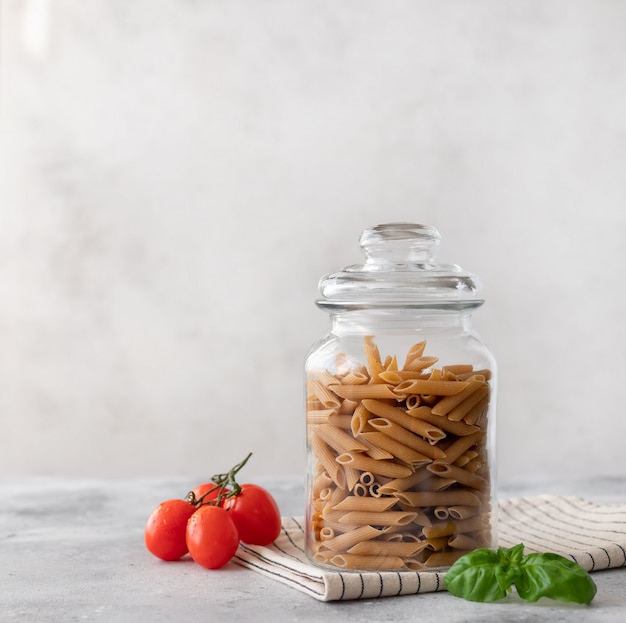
(553, 576)
(478, 576)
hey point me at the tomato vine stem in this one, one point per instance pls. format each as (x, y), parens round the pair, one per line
(226, 484)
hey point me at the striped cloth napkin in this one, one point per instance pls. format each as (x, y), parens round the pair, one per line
(592, 535)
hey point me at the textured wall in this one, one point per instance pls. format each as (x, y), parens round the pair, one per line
(177, 175)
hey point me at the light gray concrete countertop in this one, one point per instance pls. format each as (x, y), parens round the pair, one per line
(72, 550)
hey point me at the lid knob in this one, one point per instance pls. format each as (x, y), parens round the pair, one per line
(400, 243)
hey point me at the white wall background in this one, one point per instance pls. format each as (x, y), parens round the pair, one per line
(177, 175)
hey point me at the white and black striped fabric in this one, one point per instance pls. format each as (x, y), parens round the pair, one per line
(592, 535)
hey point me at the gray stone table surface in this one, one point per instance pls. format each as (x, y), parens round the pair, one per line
(72, 550)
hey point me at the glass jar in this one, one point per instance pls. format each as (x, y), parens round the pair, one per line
(400, 411)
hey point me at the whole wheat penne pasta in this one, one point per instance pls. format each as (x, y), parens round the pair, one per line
(444, 559)
(460, 411)
(325, 377)
(478, 413)
(391, 364)
(352, 477)
(403, 484)
(374, 490)
(338, 439)
(448, 528)
(430, 387)
(372, 357)
(393, 377)
(399, 417)
(439, 498)
(410, 536)
(356, 561)
(484, 375)
(347, 407)
(375, 452)
(358, 392)
(412, 564)
(462, 460)
(460, 475)
(445, 405)
(326, 493)
(436, 483)
(360, 490)
(415, 352)
(313, 404)
(407, 420)
(359, 421)
(421, 363)
(355, 503)
(441, 421)
(336, 497)
(413, 401)
(463, 541)
(367, 478)
(462, 512)
(329, 517)
(323, 558)
(461, 445)
(365, 463)
(337, 527)
(461, 368)
(404, 549)
(400, 452)
(430, 400)
(474, 465)
(384, 518)
(394, 447)
(465, 458)
(321, 481)
(345, 541)
(421, 518)
(324, 455)
(324, 395)
(318, 416)
(338, 420)
(436, 544)
(407, 438)
(435, 375)
(355, 377)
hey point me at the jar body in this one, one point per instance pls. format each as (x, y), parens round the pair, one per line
(400, 413)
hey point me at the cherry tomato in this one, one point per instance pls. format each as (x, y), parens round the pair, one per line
(165, 532)
(256, 515)
(212, 538)
(210, 491)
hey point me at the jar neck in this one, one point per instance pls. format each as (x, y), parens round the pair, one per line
(381, 321)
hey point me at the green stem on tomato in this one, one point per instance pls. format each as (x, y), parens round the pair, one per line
(226, 484)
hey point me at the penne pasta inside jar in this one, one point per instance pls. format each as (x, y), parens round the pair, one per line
(400, 422)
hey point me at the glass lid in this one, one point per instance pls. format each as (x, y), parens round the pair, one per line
(399, 271)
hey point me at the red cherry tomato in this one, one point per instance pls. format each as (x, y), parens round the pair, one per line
(210, 491)
(165, 532)
(212, 537)
(255, 514)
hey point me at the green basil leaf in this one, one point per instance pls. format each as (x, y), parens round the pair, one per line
(553, 576)
(512, 555)
(477, 576)
(507, 569)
